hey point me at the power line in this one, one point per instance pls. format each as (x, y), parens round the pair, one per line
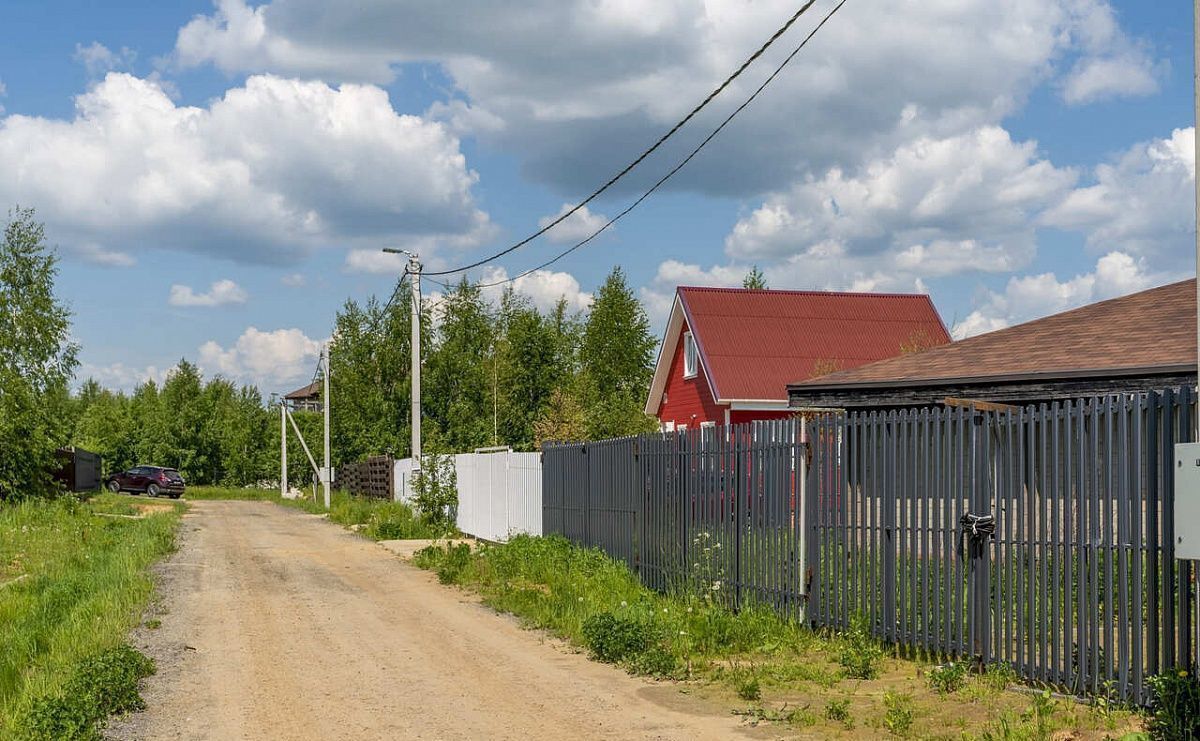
(674, 170)
(661, 140)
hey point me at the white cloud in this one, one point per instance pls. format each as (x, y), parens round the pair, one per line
(220, 293)
(1032, 296)
(1112, 64)
(120, 376)
(576, 227)
(266, 359)
(933, 207)
(99, 60)
(1142, 203)
(294, 280)
(267, 173)
(98, 255)
(569, 84)
(544, 287)
(375, 261)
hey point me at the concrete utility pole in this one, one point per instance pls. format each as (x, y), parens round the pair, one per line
(414, 271)
(283, 480)
(326, 471)
(1196, 155)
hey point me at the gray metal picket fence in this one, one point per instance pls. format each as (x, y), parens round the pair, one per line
(1041, 537)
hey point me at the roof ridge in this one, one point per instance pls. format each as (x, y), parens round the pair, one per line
(804, 291)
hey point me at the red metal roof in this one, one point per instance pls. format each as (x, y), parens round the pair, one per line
(753, 343)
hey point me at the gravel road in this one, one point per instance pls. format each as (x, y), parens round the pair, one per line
(280, 625)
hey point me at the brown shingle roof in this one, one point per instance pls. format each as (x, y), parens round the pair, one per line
(1153, 330)
(311, 391)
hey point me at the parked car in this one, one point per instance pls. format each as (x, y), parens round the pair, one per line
(152, 480)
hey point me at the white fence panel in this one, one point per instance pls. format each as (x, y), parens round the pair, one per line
(499, 493)
(402, 486)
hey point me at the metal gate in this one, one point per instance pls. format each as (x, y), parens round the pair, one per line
(1041, 537)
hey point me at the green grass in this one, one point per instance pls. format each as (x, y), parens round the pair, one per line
(74, 583)
(374, 518)
(765, 667)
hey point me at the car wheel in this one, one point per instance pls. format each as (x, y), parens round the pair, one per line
(114, 487)
(152, 490)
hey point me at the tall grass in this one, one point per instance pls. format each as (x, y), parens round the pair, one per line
(72, 585)
(554, 585)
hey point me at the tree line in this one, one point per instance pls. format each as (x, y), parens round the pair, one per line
(497, 372)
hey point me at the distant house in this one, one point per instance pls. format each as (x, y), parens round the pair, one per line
(307, 398)
(728, 354)
(1138, 342)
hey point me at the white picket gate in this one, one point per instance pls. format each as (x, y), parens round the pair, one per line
(499, 492)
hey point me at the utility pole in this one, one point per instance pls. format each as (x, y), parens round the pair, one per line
(414, 271)
(283, 479)
(326, 471)
(1196, 155)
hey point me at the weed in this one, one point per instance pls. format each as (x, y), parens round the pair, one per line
(898, 713)
(655, 661)
(748, 688)
(101, 685)
(839, 712)
(1175, 710)
(154, 624)
(999, 676)
(456, 561)
(948, 678)
(614, 639)
(860, 653)
(1041, 714)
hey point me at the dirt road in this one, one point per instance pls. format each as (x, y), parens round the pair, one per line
(279, 625)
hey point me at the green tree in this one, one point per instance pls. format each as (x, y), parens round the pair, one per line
(37, 360)
(615, 361)
(457, 396)
(754, 279)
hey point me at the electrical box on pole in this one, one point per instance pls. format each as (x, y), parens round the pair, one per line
(1187, 501)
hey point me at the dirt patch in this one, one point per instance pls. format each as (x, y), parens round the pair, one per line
(272, 625)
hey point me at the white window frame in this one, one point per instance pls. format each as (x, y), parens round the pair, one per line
(691, 358)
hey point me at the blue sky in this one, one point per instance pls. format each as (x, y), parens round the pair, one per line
(219, 177)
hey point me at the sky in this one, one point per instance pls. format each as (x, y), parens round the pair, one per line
(219, 178)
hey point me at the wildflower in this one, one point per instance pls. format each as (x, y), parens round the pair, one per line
(716, 586)
(581, 599)
(689, 609)
(624, 603)
(1183, 673)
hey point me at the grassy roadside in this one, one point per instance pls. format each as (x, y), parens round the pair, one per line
(764, 667)
(373, 518)
(73, 582)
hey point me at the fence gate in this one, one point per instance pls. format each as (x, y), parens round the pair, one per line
(1041, 536)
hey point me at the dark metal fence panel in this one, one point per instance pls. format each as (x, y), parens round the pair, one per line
(1041, 537)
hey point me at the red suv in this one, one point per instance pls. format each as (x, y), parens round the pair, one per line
(152, 480)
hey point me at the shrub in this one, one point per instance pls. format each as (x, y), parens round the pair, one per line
(613, 639)
(898, 716)
(436, 492)
(100, 686)
(860, 653)
(1175, 709)
(948, 678)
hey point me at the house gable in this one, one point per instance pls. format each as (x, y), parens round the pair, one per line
(686, 400)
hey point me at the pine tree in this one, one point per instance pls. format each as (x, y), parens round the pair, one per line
(754, 279)
(615, 361)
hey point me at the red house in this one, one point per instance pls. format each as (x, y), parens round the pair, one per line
(728, 354)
